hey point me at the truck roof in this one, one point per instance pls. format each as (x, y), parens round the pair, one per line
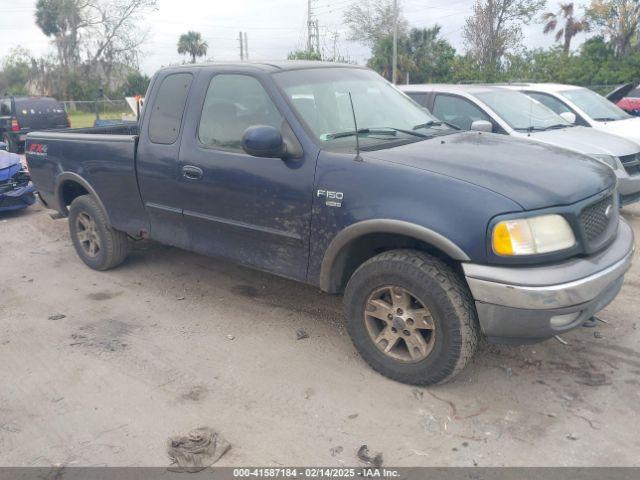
(268, 66)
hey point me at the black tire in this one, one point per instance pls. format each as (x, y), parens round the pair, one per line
(113, 244)
(455, 336)
(11, 146)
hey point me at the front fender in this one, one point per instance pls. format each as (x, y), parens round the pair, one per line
(328, 279)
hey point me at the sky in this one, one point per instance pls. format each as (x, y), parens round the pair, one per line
(274, 27)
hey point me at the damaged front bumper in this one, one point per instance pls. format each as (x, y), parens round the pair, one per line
(17, 192)
(530, 304)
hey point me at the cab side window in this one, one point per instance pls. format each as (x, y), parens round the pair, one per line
(457, 111)
(168, 108)
(233, 104)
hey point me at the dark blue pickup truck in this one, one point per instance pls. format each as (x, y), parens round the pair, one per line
(327, 174)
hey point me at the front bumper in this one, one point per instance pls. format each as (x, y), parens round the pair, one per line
(529, 304)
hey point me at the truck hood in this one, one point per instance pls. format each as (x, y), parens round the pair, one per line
(531, 174)
(586, 140)
(628, 128)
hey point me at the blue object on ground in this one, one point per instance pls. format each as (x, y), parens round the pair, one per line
(16, 189)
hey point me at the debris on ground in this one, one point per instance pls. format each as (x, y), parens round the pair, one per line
(58, 316)
(508, 371)
(199, 449)
(308, 393)
(597, 334)
(372, 458)
(593, 379)
(561, 340)
(230, 337)
(572, 436)
(417, 393)
(336, 450)
(181, 298)
(301, 334)
(352, 416)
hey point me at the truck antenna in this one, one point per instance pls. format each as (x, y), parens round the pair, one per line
(355, 125)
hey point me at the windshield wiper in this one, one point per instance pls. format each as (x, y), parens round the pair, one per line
(530, 129)
(391, 131)
(606, 119)
(557, 126)
(433, 123)
(361, 131)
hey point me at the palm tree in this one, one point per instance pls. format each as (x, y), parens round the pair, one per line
(572, 26)
(191, 43)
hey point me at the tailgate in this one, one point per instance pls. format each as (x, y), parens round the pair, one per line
(40, 114)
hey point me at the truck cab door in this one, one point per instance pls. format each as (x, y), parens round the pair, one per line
(254, 211)
(157, 163)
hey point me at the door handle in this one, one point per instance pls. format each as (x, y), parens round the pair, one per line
(192, 173)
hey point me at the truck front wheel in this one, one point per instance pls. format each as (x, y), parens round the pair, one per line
(411, 317)
(98, 245)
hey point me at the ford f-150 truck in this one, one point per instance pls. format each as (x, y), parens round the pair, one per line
(327, 174)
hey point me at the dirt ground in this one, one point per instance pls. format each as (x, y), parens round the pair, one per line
(171, 341)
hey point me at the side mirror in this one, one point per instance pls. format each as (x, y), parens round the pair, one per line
(569, 117)
(263, 141)
(482, 126)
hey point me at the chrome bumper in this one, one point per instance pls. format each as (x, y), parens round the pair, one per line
(539, 293)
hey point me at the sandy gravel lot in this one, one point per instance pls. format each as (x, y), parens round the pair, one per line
(172, 340)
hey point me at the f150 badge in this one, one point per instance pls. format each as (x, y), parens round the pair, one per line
(333, 199)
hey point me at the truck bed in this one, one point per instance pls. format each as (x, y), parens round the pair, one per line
(104, 157)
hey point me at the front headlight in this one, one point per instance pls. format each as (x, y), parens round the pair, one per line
(530, 236)
(610, 160)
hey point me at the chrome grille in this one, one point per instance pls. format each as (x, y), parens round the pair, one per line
(594, 218)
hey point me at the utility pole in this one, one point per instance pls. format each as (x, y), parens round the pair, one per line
(309, 24)
(394, 61)
(313, 30)
(246, 47)
(241, 46)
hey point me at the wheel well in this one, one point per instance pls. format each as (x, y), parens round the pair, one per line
(69, 191)
(361, 249)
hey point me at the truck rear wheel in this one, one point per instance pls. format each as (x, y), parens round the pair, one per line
(411, 317)
(98, 245)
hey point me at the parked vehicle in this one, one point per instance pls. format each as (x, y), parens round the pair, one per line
(21, 115)
(496, 109)
(16, 190)
(435, 236)
(627, 97)
(590, 109)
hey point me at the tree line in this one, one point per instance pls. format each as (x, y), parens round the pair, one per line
(97, 47)
(98, 44)
(493, 43)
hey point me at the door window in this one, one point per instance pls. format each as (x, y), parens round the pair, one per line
(549, 102)
(168, 108)
(457, 111)
(418, 97)
(233, 104)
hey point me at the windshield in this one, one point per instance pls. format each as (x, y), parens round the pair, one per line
(594, 105)
(522, 112)
(385, 116)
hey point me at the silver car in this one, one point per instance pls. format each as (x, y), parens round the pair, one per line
(501, 110)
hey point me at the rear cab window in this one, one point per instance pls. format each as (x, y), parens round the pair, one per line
(168, 108)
